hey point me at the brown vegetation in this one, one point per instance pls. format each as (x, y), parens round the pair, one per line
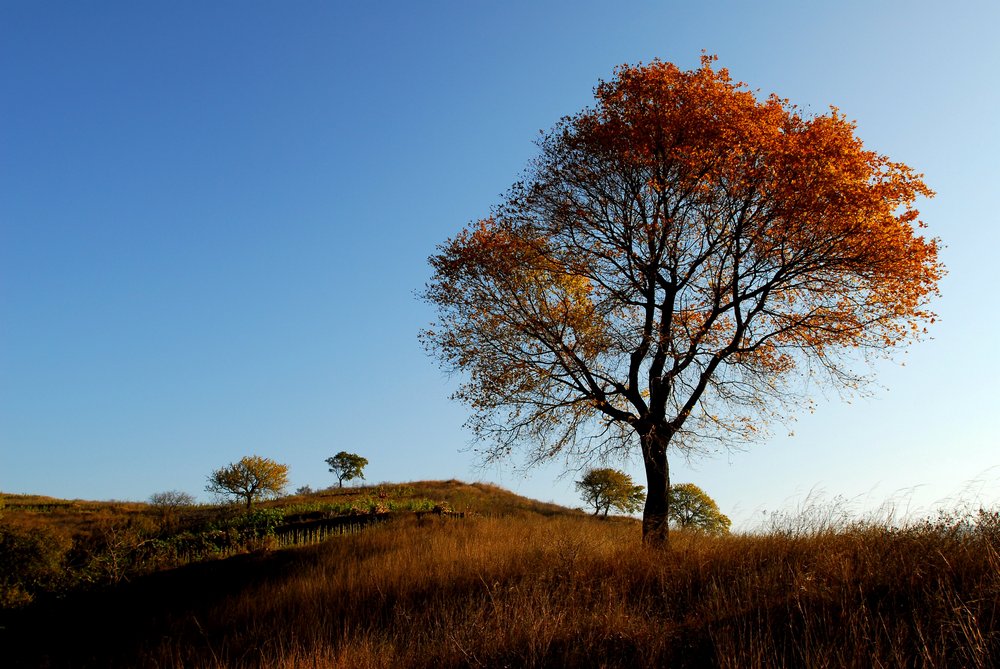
(552, 590)
(49, 547)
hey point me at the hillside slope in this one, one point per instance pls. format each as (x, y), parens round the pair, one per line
(541, 588)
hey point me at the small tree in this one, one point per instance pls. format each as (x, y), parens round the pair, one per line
(253, 477)
(692, 508)
(606, 488)
(346, 466)
(171, 500)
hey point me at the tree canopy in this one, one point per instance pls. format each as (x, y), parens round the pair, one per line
(250, 479)
(347, 466)
(677, 266)
(692, 508)
(606, 488)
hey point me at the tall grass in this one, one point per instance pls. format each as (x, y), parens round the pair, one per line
(535, 591)
(49, 547)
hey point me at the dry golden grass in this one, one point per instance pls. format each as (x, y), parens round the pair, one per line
(89, 521)
(536, 590)
(72, 517)
(477, 498)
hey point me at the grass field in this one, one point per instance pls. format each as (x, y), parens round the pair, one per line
(538, 586)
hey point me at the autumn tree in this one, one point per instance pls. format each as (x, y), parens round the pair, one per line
(677, 267)
(692, 508)
(605, 488)
(250, 479)
(347, 466)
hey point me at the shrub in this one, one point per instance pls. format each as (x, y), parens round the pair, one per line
(31, 562)
(258, 523)
(171, 499)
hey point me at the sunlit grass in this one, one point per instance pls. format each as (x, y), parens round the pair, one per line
(561, 590)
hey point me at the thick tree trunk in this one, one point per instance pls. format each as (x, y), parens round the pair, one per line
(655, 527)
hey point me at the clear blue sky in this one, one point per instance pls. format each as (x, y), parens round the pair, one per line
(214, 217)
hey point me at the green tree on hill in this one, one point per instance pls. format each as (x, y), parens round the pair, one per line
(692, 508)
(606, 488)
(347, 466)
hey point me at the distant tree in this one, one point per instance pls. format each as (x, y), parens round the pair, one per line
(169, 503)
(346, 466)
(692, 508)
(606, 488)
(171, 499)
(252, 478)
(304, 490)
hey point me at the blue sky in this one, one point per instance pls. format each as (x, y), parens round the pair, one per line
(214, 218)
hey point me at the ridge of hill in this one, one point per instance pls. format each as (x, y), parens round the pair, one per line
(478, 497)
(76, 517)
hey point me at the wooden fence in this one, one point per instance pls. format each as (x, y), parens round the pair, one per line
(316, 531)
(304, 533)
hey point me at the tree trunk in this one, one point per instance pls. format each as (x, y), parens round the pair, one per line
(655, 525)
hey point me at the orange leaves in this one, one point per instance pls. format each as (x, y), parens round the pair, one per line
(679, 244)
(514, 288)
(692, 121)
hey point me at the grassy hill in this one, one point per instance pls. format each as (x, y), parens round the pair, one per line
(51, 546)
(517, 583)
(76, 517)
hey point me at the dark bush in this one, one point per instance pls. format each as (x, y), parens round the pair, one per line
(31, 562)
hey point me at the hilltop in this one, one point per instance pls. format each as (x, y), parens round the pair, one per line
(77, 517)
